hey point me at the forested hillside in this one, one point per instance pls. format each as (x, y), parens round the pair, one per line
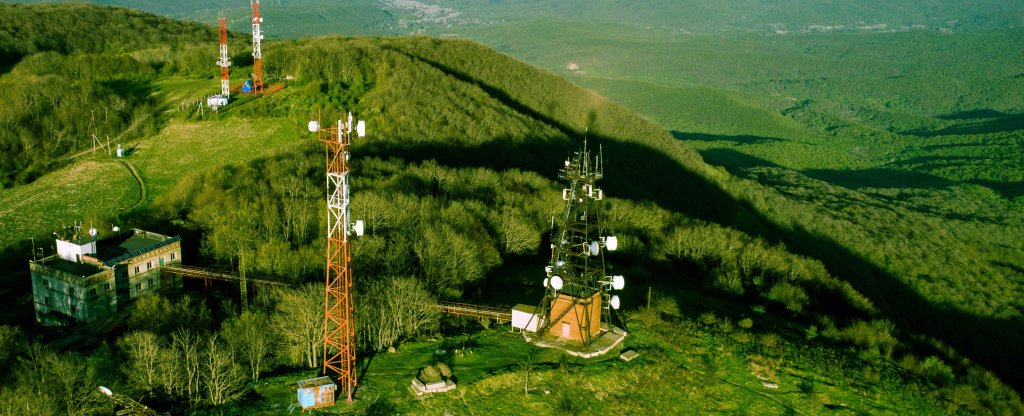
(457, 182)
(72, 72)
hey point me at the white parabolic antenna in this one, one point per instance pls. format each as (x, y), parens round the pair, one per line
(314, 126)
(556, 282)
(612, 242)
(618, 282)
(93, 232)
(358, 228)
(546, 280)
(361, 128)
(614, 302)
(594, 247)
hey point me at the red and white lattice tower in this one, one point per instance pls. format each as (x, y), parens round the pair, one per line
(339, 327)
(224, 62)
(257, 54)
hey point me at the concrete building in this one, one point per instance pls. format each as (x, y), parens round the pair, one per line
(90, 278)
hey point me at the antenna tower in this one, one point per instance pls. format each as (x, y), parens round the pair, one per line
(339, 327)
(257, 55)
(577, 304)
(224, 62)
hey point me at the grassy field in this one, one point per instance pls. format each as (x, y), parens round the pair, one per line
(712, 366)
(65, 196)
(100, 188)
(186, 146)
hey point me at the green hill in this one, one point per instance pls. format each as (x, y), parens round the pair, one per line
(457, 183)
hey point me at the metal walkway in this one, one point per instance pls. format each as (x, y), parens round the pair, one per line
(204, 273)
(476, 311)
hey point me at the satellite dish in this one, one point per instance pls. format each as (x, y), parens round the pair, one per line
(314, 126)
(611, 242)
(594, 247)
(618, 282)
(361, 128)
(566, 162)
(556, 282)
(546, 281)
(615, 302)
(93, 232)
(358, 228)
(116, 228)
(106, 391)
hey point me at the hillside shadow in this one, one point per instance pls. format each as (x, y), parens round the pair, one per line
(1008, 190)
(878, 178)
(973, 114)
(733, 161)
(16, 284)
(640, 173)
(982, 121)
(741, 139)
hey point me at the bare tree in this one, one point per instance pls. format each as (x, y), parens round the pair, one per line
(300, 322)
(168, 374)
(526, 365)
(186, 345)
(249, 340)
(54, 384)
(143, 351)
(223, 379)
(517, 236)
(394, 308)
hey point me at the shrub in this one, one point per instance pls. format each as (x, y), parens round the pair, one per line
(790, 295)
(811, 333)
(446, 372)
(936, 371)
(806, 385)
(746, 323)
(666, 306)
(429, 374)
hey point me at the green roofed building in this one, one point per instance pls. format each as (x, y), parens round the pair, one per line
(90, 278)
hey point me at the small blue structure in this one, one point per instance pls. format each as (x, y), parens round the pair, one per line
(316, 392)
(247, 86)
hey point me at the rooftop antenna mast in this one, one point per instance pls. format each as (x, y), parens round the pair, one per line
(339, 327)
(257, 54)
(224, 62)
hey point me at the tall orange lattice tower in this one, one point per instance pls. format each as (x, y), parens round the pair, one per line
(339, 327)
(257, 53)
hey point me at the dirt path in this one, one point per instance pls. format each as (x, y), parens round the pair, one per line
(138, 178)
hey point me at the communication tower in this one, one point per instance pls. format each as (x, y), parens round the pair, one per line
(578, 304)
(224, 62)
(257, 54)
(339, 327)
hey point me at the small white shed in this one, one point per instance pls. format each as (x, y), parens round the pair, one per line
(524, 318)
(216, 101)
